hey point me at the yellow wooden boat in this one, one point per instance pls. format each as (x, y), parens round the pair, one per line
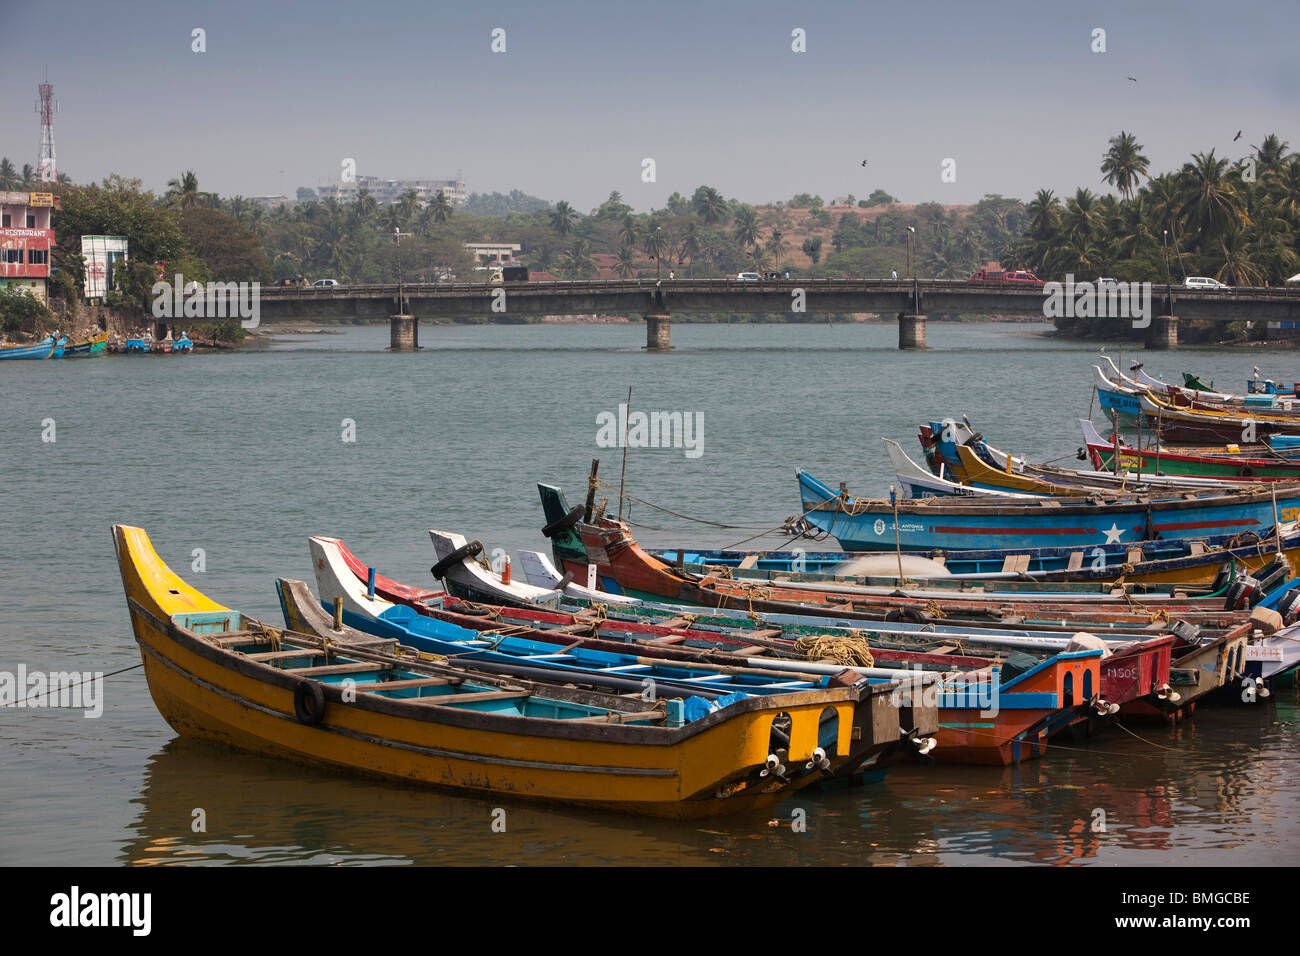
(370, 705)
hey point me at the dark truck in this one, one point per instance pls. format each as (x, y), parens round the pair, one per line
(514, 273)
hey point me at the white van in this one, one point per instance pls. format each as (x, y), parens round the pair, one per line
(748, 277)
(1203, 282)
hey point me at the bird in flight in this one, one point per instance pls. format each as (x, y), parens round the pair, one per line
(1237, 137)
(1133, 78)
(864, 162)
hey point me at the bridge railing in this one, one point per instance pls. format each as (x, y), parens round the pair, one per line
(688, 285)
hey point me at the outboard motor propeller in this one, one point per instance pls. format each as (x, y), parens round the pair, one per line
(1104, 708)
(818, 761)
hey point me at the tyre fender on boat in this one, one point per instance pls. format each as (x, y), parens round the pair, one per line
(564, 524)
(471, 550)
(309, 702)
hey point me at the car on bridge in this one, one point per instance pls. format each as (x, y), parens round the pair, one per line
(325, 283)
(1016, 277)
(1205, 283)
(748, 277)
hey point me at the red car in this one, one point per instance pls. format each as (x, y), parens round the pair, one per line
(1018, 278)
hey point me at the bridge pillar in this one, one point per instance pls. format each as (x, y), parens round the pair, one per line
(1163, 332)
(657, 327)
(911, 331)
(405, 333)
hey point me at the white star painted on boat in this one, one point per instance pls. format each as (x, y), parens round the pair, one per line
(1113, 534)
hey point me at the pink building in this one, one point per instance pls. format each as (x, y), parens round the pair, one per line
(26, 240)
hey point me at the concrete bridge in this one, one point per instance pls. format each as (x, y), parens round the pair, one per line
(656, 300)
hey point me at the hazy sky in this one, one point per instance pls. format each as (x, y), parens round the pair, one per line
(586, 90)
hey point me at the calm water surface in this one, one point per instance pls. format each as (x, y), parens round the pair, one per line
(241, 455)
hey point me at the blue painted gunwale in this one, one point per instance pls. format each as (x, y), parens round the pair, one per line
(972, 523)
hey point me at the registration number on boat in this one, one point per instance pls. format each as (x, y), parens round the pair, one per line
(1256, 653)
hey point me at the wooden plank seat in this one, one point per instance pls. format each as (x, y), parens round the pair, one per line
(613, 718)
(329, 669)
(472, 698)
(267, 657)
(405, 684)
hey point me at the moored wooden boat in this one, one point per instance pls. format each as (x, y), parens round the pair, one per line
(970, 523)
(92, 345)
(1223, 466)
(990, 719)
(219, 675)
(48, 347)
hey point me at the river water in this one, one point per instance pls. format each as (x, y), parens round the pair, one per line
(243, 455)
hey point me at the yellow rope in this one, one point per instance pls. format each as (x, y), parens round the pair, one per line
(851, 651)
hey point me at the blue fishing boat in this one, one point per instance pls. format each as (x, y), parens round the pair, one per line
(1115, 397)
(46, 348)
(364, 610)
(41, 350)
(861, 524)
(182, 345)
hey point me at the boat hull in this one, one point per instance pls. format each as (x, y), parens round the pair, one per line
(706, 767)
(960, 525)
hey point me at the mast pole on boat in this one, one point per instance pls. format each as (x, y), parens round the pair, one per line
(623, 476)
(1114, 424)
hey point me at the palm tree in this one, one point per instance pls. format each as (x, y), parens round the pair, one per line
(365, 206)
(1283, 188)
(1239, 266)
(689, 247)
(184, 191)
(1210, 200)
(626, 258)
(391, 219)
(29, 176)
(655, 242)
(627, 232)
(1081, 215)
(1271, 153)
(709, 205)
(8, 175)
(578, 262)
(745, 220)
(240, 208)
(407, 206)
(776, 246)
(442, 209)
(562, 219)
(1044, 214)
(1124, 165)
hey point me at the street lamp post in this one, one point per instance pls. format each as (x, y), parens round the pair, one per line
(911, 231)
(1169, 279)
(398, 235)
(659, 252)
